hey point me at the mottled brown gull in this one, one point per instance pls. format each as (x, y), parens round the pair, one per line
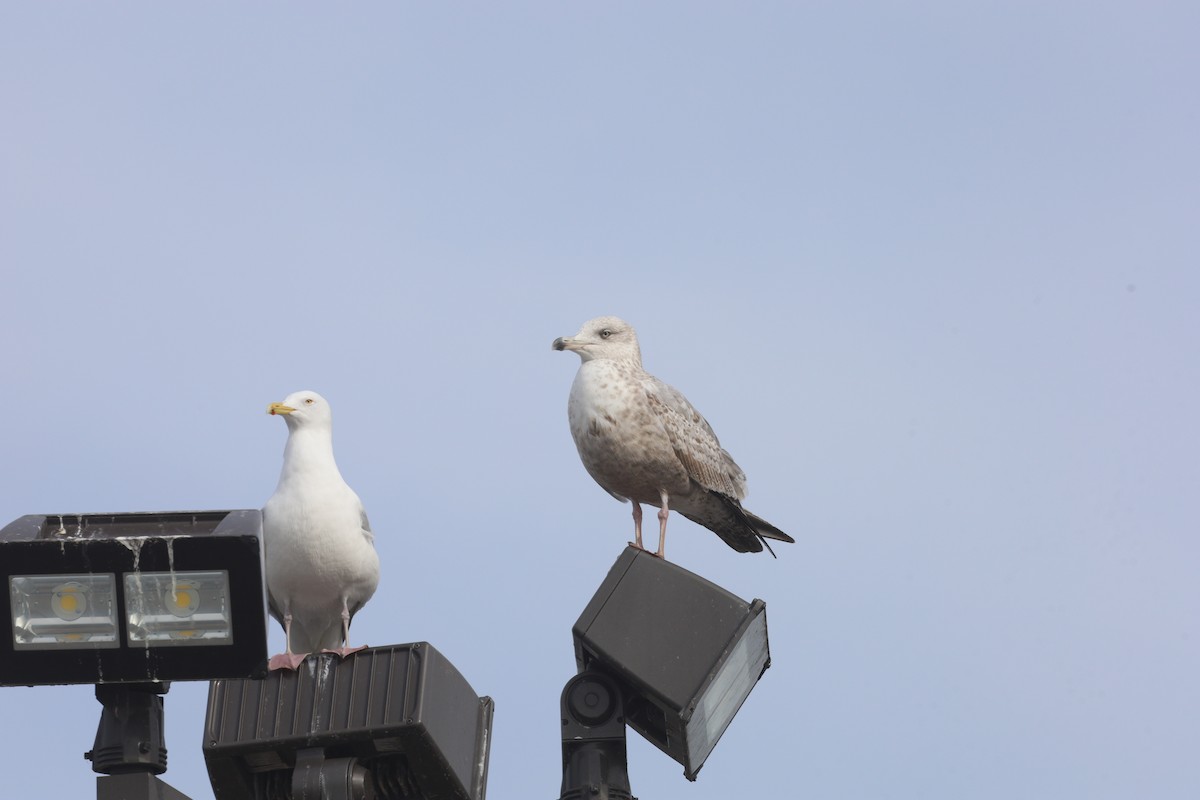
(642, 441)
(320, 552)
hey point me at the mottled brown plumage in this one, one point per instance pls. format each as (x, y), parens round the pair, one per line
(642, 441)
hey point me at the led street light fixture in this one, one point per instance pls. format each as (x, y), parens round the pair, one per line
(684, 651)
(139, 597)
(388, 723)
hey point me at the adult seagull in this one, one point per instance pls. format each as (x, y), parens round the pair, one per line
(320, 552)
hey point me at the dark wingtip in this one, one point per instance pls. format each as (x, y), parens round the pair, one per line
(770, 549)
(766, 530)
(741, 530)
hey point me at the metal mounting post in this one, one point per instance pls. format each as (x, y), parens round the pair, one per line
(595, 766)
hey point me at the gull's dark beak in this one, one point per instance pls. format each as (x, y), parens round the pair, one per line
(559, 344)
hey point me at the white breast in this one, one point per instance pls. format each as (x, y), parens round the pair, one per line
(621, 442)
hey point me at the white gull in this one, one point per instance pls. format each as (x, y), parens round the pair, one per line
(320, 553)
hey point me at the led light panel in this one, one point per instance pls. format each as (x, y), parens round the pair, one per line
(685, 652)
(178, 608)
(63, 612)
(729, 688)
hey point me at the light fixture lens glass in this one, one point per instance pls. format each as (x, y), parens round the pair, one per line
(729, 688)
(63, 611)
(178, 608)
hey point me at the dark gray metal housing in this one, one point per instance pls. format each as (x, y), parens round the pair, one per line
(51, 544)
(387, 722)
(684, 651)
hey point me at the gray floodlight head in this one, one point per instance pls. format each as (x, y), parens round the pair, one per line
(390, 723)
(132, 597)
(684, 651)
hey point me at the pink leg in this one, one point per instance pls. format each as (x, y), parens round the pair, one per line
(345, 649)
(662, 525)
(288, 659)
(637, 525)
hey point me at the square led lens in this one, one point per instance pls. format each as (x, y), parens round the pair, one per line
(730, 687)
(51, 612)
(178, 608)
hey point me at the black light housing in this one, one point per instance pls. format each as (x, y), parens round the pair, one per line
(595, 764)
(391, 723)
(132, 597)
(684, 652)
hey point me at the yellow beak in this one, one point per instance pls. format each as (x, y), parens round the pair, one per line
(279, 408)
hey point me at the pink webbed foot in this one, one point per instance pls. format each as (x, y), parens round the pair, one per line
(645, 550)
(290, 661)
(342, 652)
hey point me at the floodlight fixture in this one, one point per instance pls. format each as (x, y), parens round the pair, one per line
(684, 652)
(132, 597)
(130, 602)
(387, 723)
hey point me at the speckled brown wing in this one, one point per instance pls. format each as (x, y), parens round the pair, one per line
(694, 442)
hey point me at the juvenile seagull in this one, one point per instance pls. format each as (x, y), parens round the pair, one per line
(642, 441)
(320, 553)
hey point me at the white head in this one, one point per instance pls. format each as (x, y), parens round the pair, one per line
(603, 337)
(303, 409)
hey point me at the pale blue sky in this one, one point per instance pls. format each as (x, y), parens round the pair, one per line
(930, 270)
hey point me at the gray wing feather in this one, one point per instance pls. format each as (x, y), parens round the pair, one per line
(694, 442)
(366, 524)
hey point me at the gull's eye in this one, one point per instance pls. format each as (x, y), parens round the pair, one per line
(604, 334)
(308, 401)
